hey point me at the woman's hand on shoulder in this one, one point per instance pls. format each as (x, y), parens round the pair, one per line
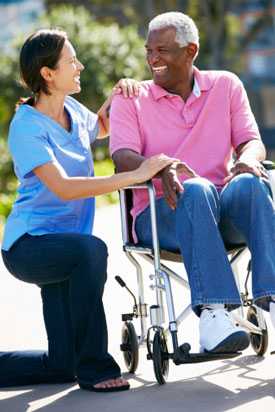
(126, 87)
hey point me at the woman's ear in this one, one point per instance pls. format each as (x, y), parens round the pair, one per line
(46, 73)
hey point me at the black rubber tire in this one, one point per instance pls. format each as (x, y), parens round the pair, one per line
(259, 343)
(129, 338)
(160, 357)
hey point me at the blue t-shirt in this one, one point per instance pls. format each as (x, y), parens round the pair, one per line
(35, 139)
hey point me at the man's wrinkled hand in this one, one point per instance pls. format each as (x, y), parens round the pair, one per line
(248, 166)
(170, 181)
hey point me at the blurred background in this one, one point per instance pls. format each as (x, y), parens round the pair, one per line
(109, 40)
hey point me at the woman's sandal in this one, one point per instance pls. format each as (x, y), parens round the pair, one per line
(93, 388)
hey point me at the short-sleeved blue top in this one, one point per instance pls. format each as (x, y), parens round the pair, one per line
(35, 139)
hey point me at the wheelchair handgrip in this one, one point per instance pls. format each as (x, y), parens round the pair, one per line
(268, 164)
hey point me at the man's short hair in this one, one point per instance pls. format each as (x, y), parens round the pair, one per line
(186, 29)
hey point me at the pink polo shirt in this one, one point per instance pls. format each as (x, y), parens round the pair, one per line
(203, 131)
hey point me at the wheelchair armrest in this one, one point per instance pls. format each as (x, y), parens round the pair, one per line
(268, 164)
(270, 168)
(145, 185)
(126, 218)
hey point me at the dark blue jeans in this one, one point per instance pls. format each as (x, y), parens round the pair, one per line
(243, 210)
(70, 269)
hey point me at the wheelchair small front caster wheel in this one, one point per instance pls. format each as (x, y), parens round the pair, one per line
(160, 356)
(259, 342)
(129, 346)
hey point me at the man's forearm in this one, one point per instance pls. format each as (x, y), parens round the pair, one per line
(254, 149)
(126, 160)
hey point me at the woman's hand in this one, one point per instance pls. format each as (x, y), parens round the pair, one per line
(126, 87)
(150, 167)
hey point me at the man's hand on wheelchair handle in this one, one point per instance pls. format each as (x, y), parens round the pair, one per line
(170, 181)
(246, 166)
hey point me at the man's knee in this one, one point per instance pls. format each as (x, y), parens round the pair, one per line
(247, 183)
(199, 186)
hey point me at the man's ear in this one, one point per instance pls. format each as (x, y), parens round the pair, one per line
(192, 50)
(46, 73)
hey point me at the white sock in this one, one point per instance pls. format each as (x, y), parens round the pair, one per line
(214, 306)
(272, 313)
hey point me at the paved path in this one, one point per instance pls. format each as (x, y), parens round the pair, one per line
(243, 384)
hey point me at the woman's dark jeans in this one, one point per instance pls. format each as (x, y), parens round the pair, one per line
(70, 269)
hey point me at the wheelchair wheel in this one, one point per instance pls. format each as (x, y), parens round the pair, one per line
(160, 356)
(259, 342)
(130, 346)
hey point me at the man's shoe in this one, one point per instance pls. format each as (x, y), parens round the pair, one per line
(219, 333)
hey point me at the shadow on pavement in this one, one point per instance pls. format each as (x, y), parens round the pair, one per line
(193, 394)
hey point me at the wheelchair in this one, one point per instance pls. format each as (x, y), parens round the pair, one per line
(155, 338)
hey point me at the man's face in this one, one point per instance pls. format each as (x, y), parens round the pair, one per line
(169, 63)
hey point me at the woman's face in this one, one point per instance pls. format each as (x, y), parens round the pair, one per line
(66, 77)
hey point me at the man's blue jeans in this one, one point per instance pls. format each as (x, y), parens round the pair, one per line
(243, 210)
(70, 269)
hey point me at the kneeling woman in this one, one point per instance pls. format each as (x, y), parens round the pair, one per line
(47, 238)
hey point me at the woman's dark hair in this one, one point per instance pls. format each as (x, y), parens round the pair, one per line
(42, 48)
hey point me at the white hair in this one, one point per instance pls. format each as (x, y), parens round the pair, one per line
(186, 29)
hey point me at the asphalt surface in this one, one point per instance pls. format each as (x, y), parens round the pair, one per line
(246, 383)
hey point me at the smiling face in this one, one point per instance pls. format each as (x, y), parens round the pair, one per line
(169, 63)
(65, 79)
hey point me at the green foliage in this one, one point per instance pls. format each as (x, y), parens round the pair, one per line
(7, 182)
(6, 202)
(108, 53)
(105, 168)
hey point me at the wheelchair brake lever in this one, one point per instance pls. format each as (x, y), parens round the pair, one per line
(123, 285)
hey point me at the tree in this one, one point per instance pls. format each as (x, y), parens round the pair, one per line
(222, 40)
(108, 53)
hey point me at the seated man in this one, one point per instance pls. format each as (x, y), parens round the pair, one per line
(201, 118)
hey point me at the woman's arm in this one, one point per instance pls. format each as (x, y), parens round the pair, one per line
(129, 88)
(71, 188)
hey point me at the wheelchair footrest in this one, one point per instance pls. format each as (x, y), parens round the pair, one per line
(181, 356)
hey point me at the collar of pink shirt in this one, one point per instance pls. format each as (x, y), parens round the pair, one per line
(201, 83)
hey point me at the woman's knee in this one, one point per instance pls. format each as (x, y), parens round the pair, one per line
(91, 247)
(91, 261)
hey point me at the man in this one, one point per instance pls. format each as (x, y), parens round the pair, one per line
(202, 118)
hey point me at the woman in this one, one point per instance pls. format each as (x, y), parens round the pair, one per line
(47, 238)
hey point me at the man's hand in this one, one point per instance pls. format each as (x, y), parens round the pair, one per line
(246, 166)
(170, 182)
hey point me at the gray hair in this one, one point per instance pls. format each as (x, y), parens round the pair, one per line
(186, 29)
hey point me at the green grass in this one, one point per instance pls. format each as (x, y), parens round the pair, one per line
(105, 168)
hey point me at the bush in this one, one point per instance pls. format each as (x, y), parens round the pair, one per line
(108, 53)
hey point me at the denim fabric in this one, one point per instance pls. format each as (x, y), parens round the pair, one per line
(242, 211)
(70, 269)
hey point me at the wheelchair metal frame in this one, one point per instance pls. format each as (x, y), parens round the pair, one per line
(162, 285)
